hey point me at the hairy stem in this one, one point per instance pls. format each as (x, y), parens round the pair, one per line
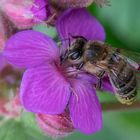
(111, 106)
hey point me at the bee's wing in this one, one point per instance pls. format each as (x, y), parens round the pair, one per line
(138, 76)
(132, 57)
(131, 54)
(134, 64)
(138, 80)
(131, 62)
(135, 56)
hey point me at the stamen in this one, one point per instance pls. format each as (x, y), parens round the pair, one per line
(28, 14)
(36, 6)
(73, 91)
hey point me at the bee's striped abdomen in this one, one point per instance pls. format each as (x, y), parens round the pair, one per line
(124, 82)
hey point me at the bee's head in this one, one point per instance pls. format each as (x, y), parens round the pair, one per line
(74, 54)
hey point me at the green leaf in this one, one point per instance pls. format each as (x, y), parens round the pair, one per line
(12, 130)
(106, 96)
(121, 21)
(25, 128)
(29, 123)
(46, 29)
(116, 126)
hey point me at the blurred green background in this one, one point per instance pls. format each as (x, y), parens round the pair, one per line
(122, 25)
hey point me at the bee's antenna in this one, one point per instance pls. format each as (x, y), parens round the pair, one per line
(64, 57)
(65, 39)
(76, 36)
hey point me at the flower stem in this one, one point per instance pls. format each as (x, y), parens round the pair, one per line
(116, 106)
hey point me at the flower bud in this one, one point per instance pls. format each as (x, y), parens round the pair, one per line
(6, 29)
(25, 13)
(9, 77)
(64, 4)
(10, 107)
(2, 33)
(58, 6)
(55, 125)
(14, 107)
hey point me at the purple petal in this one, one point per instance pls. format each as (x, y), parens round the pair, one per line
(85, 108)
(44, 90)
(79, 22)
(106, 85)
(39, 9)
(89, 78)
(30, 48)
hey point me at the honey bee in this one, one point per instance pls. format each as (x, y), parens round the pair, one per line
(99, 58)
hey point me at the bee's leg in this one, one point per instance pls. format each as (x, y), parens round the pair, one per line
(117, 50)
(69, 42)
(80, 65)
(76, 36)
(100, 76)
(64, 57)
(50, 19)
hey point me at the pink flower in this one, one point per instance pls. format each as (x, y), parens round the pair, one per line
(47, 86)
(9, 76)
(25, 13)
(63, 4)
(55, 125)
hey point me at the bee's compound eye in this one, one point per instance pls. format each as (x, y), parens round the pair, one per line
(75, 56)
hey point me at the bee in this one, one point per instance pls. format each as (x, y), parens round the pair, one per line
(99, 58)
